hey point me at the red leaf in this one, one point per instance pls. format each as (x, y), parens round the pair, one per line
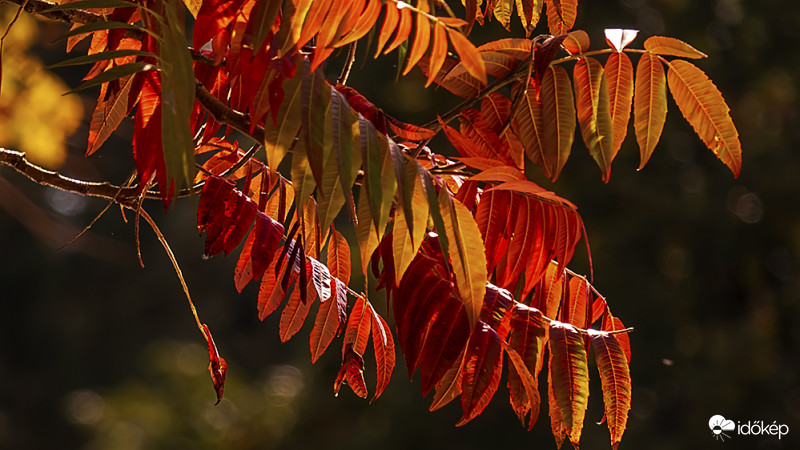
(294, 315)
(409, 131)
(480, 374)
(383, 344)
(576, 310)
(339, 257)
(147, 152)
(215, 193)
(213, 17)
(352, 372)
(475, 128)
(217, 366)
(526, 354)
(330, 320)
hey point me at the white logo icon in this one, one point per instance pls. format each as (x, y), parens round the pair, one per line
(719, 425)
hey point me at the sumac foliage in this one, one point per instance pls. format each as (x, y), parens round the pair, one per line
(472, 255)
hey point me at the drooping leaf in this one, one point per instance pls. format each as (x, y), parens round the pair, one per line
(403, 30)
(405, 242)
(483, 365)
(422, 37)
(616, 382)
(330, 320)
(438, 52)
(351, 371)
(383, 344)
(217, 366)
(649, 105)
(668, 46)
(466, 253)
(528, 124)
(496, 109)
(280, 133)
(317, 129)
(346, 151)
(559, 131)
(368, 239)
(525, 351)
(294, 313)
(702, 105)
(570, 377)
(619, 75)
(594, 113)
(358, 328)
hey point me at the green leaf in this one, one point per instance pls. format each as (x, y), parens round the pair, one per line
(404, 185)
(115, 73)
(177, 96)
(346, 142)
(302, 179)
(316, 131)
(279, 135)
(262, 18)
(466, 253)
(434, 209)
(405, 243)
(88, 4)
(368, 240)
(379, 180)
(105, 25)
(89, 59)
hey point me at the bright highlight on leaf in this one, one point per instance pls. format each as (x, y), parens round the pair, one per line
(619, 38)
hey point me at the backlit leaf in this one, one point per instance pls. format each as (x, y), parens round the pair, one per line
(339, 257)
(668, 46)
(616, 382)
(359, 324)
(561, 15)
(438, 51)
(422, 38)
(481, 370)
(316, 119)
(383, 344)
(469, 55)
(466, 253)
(570, 377)
(702, 105)
(649, 105)
(619, 75)
(526, 347)
(405, 242)
(280, 133)
(217, 366)
(559, 131)
(294, 314)
(351, 371)
(594, 113)
(108, 115)
(330, 321)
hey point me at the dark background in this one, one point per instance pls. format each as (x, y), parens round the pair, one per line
(96, 352)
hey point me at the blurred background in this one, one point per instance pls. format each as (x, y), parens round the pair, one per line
(98, 353)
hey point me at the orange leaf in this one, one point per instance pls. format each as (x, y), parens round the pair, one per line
(549, 291)
(464, 85)
(611, 323)
(559, 107)
(294, 314)
(576, 42)
(476, 129)
(403, 28)
(383, 344)
(422, 38)
(667, 46)
(356, 335)
(561, 15)
(702, 105)
(481, 370)
(528, 123)
(570, 377)
(339, 257)
(313, 21)
(517, 48)
(594, 113)
(217, 366)
(362, 26)
(616, 382)
(576, 311)
(649, 105)
(330, 320)
(108, 114)
(438, 52)
(469, 55)
(619, 75)
(390, 20)
(496, 109)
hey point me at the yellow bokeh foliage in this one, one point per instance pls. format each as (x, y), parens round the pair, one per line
(34, 115)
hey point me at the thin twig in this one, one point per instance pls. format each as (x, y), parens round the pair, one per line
(348, 65)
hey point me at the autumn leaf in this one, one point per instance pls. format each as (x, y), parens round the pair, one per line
(570, 377)
(702, 105)
(616, 382)
(217, 366)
